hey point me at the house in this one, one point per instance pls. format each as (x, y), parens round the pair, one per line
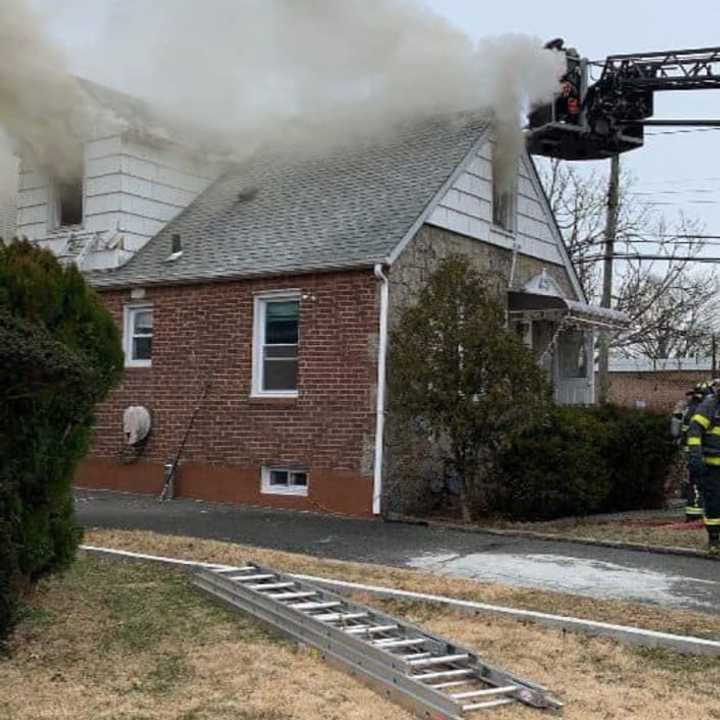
(256, 299)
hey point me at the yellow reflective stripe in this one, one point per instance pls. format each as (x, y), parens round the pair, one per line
(712, 522)
(693, 511)
(700, 420)
(694, 441)
(714, 431)
(712, 460)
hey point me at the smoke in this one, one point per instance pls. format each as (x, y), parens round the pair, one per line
(307, 75)
(41, 107)
(320, 71)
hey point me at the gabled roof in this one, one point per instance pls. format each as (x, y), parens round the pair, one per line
(275, 215)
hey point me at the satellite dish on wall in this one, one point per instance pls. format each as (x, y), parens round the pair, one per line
(136, 424)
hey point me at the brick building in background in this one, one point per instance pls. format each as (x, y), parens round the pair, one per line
(655, 384)
(257, 297)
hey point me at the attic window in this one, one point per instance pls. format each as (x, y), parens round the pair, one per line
(68, 202)
(503, 199)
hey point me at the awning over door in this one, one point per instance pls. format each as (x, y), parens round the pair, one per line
(532, 306)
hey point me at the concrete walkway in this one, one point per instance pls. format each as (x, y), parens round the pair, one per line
(671, 581)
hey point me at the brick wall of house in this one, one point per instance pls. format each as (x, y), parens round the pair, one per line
(655, 390)
(203, 333)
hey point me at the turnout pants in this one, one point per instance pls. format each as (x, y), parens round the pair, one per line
(711, 495)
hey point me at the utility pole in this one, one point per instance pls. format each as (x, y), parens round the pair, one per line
(613, 201)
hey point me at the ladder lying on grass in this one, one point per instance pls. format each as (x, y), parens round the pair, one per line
(431, 676)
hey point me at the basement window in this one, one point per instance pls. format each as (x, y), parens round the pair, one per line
(138, 335)
(68, 203)
(284, 481)
(275, 345)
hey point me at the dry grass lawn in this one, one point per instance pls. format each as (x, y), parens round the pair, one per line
(624, 613)
(127, 641)
(119, 641)
(657, 531)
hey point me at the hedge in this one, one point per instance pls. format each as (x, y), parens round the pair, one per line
(60, 354)
(582, 461)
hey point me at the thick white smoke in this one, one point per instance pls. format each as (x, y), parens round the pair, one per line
(307, 73)
(41, 106)
(320, 71)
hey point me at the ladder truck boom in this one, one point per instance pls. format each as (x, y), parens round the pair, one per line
(590, 121)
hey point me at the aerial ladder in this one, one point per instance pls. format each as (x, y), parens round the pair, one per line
(592, 120)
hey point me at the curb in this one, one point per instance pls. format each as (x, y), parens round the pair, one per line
(551, 537)
(621, 633)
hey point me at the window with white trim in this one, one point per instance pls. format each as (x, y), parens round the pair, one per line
(138, 335)
(284, 481)
(68, 200)
(275, 345)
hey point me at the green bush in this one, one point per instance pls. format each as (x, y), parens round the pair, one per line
(582, 461)
(60, 354)
(641, 454)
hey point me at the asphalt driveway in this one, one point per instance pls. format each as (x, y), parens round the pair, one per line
(668, 580)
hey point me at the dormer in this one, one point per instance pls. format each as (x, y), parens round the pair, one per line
(130, 179)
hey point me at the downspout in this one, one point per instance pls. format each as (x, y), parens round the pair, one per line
(380, 395)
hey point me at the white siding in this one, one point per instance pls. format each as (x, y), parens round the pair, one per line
(8, 215)
(131, 189)
(466, 208)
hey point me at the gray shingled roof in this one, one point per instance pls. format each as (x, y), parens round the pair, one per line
(349, 209)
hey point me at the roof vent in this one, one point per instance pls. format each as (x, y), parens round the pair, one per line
(247, 193)
(176, 250)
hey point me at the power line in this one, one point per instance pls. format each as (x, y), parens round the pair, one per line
(675, 192)
(666, 258)
(681, 132)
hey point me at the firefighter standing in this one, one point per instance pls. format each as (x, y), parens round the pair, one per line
(692, 490)
(703, 439)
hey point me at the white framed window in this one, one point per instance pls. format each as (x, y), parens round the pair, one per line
(276, 331)
(138, 335)
(523, 329)
(284, 481)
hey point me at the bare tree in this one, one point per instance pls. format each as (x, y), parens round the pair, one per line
(670, 303)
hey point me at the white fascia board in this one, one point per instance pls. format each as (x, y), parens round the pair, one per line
(439, 195)
(552, 222)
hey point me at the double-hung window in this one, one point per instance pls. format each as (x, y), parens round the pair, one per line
(275, 345)
(138, 335)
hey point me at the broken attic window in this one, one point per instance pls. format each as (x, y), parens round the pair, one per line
(503, 197)
(502, 208)
(69, 199)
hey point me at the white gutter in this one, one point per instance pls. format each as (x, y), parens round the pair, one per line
(380, 396)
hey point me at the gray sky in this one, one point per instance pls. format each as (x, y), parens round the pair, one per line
(679, 170)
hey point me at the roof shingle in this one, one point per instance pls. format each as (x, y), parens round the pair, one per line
(276, 216)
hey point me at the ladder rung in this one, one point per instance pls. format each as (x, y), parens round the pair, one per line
(451, 683)
(316, 605)
(484, 693)
(332, 617)
(247, 578)
(440, 660)
(271, 586)
(389, 643)
(370, 629)
(224, 571)
(417, 656)
(489, 704)
(443, 673)
(291, 595)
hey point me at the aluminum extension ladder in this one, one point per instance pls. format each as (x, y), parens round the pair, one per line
(428, 675)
